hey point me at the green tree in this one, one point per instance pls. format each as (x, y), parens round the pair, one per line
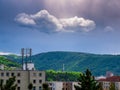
(87, 82)
(10, 84)
(100, 86)
(1, 84)
(30, 86)
(45, 86)
(112, 86)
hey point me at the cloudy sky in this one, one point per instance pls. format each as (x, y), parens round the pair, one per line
(60, 25)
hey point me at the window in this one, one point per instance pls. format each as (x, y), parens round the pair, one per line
(12, 74)
(40, 81)
(7, 74)
(18, 81)
(34, 74)
(18, 74)
(40, 88)
(40, 74)
(34, 88)
(2, 74)
(2, 80)
(34, 81)
(18, 88)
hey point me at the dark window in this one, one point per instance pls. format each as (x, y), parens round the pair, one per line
(12, 74)
(40, 74)
(18, 88)
(34, 88)
(40, 81)
(18, 81)
(2, 80)
(2, 74)
(7, 74)
(40, 88)
(18, 74)
(34, 81)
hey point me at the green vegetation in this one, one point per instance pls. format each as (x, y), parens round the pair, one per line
(13, 57)
(87, 82)
(52, 75)
(45, 86)
(112, 86)
(75, 61)
(10, 84)
(8, 63)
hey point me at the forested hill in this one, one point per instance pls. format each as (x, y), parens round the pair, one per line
(8, 64)
(75, 61)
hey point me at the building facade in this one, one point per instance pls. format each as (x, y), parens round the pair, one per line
(55, 85)
(106, 82)
(24, 78)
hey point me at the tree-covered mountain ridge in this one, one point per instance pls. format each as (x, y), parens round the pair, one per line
(8, 64)
(76, 61)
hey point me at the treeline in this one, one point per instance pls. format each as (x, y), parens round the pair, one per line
(8, 63)
(52, 75)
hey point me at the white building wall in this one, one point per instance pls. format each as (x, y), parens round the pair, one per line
(29, 66)
(1, 67)
(74, 83)
(117, 85)
(55, 85)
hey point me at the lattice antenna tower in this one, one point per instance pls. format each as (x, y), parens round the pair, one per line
(26, 53)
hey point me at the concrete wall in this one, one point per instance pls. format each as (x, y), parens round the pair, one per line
(24, 78)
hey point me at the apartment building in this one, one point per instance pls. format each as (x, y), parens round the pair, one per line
(24, 78)
(106, 82)
(55, 85)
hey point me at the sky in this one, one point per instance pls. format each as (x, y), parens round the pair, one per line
(90, 26)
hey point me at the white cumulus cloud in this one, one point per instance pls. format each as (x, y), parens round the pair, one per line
(77, 24)
(25, 19)
(45, 22)
(6, 53)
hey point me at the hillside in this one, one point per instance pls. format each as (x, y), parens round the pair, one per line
(74, 61)
(9, 65)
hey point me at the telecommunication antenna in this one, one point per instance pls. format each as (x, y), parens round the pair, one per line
(26, 53)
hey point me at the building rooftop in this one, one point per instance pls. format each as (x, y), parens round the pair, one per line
(111, 79)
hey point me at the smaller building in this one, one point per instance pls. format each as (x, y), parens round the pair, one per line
(106, 82)
(67, 86)
(55, 85)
